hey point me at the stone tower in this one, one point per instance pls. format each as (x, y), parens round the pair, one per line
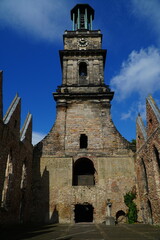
(83, 167)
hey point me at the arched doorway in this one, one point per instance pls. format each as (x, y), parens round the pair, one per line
(83, 172)
(83, 212)
(120, 217)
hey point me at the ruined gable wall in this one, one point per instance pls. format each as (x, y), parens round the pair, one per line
(54, 159)
(148, 168)
(11, 147)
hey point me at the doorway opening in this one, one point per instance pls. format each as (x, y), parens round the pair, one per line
(83, 213)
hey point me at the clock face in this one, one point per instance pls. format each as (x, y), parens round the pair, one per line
(82, 42)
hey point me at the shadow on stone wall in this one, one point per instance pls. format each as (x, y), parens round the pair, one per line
(40, 189)
(55, 216)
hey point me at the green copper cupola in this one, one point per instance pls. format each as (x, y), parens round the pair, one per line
(82, 16)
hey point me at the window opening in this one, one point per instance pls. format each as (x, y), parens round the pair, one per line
(144, 176)
(82, 69)
(157, 156)
(15, 123)
(7, 180)
(23, 186)
(82, 21)
(83, 172)
(24, 176)
(83, 141)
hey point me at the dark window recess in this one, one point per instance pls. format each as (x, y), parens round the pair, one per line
(82, 69)
(83, 172)
(82, 22)
(144, 176)
(83, 141)
(150, 212)
(157, 156)
(15, 123)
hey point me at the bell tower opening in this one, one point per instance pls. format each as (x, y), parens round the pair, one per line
(83, 60)
(82, 16)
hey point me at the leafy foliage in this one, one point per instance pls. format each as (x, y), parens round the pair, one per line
(132, 208)
(133, 145)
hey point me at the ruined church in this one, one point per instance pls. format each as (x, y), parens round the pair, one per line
(82, 169)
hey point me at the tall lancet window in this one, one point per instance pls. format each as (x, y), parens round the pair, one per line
(23, 187)
(144, 176)
(8, 180)
(157, 155)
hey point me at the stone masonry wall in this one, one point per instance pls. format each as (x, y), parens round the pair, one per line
(15, 155)
(148, 166)
(56, 154)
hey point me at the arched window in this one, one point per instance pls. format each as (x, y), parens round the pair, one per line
(23, 190)
(144, 176)
(83, 141)
(157, 156)
(83, 172)
(82, 69)
(8, 180)
(24, 175)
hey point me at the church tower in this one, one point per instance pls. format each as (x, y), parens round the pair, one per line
(83, 167)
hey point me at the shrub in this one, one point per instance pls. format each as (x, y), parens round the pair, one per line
(132, 208)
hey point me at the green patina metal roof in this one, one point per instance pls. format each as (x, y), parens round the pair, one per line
(83, 7)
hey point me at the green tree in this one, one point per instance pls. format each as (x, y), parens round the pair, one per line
(132, 208)
(133, 145)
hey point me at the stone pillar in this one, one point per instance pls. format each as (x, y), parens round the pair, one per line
(109, 219)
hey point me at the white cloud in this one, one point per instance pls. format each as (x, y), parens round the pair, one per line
(37, 137)
(150, 11)
(128, 115)
(40, 18)
(135, 108)
(140, 73)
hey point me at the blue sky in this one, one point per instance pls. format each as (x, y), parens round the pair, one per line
(31, 36)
